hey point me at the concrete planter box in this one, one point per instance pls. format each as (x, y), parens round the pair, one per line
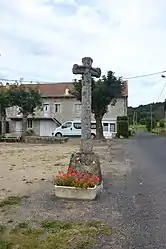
(78, 193)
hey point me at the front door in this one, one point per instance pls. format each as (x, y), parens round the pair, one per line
(18, 126)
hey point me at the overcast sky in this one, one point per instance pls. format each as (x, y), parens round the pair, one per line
(42, 39)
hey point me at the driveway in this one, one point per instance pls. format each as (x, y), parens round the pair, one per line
(142, 198)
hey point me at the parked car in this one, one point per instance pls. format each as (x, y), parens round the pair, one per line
(73, 129)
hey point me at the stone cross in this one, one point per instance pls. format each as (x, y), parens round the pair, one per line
(87, 73)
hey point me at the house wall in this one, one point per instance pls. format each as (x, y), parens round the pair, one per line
(15, 125)
(36, 127)
(12, 125)
(47, 127)
(69, 110)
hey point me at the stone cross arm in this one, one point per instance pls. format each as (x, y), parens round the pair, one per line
(95, 72)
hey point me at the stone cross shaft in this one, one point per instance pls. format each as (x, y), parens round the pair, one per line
(87, 73)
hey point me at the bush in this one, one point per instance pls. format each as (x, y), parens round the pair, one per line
(148, 124)
(142, 121)
(162, 124)
(131, 132)
(122, 127)
(76, 179)
(2, 136)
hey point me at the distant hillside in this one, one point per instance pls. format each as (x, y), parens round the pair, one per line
(143, 111)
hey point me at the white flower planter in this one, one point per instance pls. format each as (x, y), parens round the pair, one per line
(78, 193)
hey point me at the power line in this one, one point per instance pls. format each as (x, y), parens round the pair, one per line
(42, 81)
(161, 92)
(143, 75)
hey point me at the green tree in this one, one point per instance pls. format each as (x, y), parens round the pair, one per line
(150, 127)
(27, 99)
(143, 111)
(142, 121)
(4, 104)
(162, 124)
(105, 91)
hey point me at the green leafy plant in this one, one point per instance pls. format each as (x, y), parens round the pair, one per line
(105, 91)
(4, 104)
(122, 127)
(162, 124)
(150, 124)
(9, 201)
(2, 136)
(76, 179)
(27, 99)
(54, 234)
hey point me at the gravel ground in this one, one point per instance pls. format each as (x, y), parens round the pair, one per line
(42, 204)
(142, 196)
(133, 203)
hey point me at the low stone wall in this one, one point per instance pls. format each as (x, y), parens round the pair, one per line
(45, 140)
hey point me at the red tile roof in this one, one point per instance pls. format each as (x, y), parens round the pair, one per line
(125, 89)
(59, 89)
(55, 89)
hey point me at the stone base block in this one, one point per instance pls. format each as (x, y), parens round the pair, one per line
(78, 193)
(86, 162)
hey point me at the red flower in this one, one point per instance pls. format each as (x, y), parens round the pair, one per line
(70, 169)
(76, 178)
(96, 178)
(64, 178)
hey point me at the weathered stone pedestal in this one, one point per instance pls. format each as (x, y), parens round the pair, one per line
(86, 162)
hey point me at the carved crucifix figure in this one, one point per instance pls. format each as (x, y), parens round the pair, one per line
(87, 73)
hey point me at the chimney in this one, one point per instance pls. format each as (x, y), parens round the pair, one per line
(7, 85)
(66, 91)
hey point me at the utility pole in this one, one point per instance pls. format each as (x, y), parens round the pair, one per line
(134, 118)
(151, 117)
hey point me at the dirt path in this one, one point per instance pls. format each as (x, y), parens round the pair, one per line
(23, 167)
(41, 203)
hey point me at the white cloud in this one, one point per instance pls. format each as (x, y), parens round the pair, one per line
(42, 39)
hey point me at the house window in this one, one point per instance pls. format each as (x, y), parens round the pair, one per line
(29, 124)
(46, 107)
(18, 111)
(77, 108)
(105, 127)
(112, 127)
(57, 108)
(93, 126)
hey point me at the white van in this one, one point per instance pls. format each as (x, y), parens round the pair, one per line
(73, 129)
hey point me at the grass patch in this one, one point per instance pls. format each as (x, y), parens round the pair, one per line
(10, 201)
(138, 127)
(53, 234)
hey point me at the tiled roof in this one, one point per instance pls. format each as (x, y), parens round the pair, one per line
(60, 89)
(55, 89)
(125, 90)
